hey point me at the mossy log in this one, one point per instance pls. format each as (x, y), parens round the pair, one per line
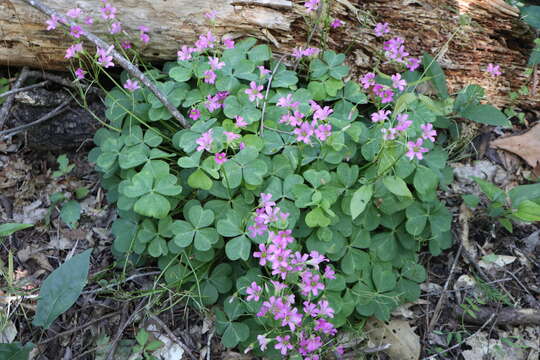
(495, 34)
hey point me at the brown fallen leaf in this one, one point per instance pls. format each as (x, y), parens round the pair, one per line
(404, 343)
(526, 145)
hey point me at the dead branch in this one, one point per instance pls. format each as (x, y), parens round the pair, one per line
(506, 316)
(11, 99)
(121, 60)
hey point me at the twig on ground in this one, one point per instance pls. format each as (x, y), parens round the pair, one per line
(165, 328)
(444, 293)
(4, 111)
(462, 342)
(75, 329)
(121, 60)
(58, 110)
(29, 87)
(123, 325)
(507, 316)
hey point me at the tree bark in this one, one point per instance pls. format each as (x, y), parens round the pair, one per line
(495, 35)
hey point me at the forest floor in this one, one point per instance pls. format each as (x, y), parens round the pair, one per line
(489, 271)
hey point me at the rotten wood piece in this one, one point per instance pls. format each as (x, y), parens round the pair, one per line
(505, 316)
(495, 34)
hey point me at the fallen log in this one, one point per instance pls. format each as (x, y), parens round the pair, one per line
(495, 35)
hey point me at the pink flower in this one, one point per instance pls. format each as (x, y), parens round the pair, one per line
(416, 149)
(494, 70)
(264, 71)
(262, 254)
(211, 15)
(323, 132)
(311, 283)
(310, 51)
(254, 92)
(325, 327)
(380, 115)
(108, 12)
(73, 50)
(88, 20)
(76, 31)
(312, 5)
(316, 259)
(263, 342)
(205, 41)
(403, 122)
(389, 134)
(52, 22)
(287, 101)
(231, 136)
(205, 141)
(428, 132)
(74, 13)
(194, 114)
(304, 132)
(297, 53)
(125, 44)
(398, 82)
(283, 343)
(185, 53)
(210, 77)
(322, 113)
(289, 317)
(220, 158)
(80, 73)
(143, 28)
(240, 122)
(336, 23)
(368, 80)
(215, 64)
(381, 29)
(413, 63)
(329, 273)
(105, 59)
(325, 309)
(242, 146)
(116, 27)
(310, 309)
(387, 96)
(131, 85)
(394, 50)
(254, 292)
(144, 37)
(229, 43)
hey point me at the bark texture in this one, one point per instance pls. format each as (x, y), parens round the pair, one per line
(495, 35)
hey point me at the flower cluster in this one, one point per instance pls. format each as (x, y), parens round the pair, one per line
(301, 323)
(398, 126)
(304, 129)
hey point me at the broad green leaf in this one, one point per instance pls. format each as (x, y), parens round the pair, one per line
(238, 248)
(231, 225)
(531, 15)
(486, 114)
(199, 217)
(152, 205)
(384, 280)
(317, 217)
(9, 228)
(490, 190)
(234, 334)
(435, 72)
(416, 219)
(521, 193)
(205, 238)
(528, 211)
(360, 200)
(260, 53)
(61, 289)
(180, 73)
(15, 351)
(397, 186)
(199, 180)
(425, 180)
(415, 272)
(71, 213)
(183, 233)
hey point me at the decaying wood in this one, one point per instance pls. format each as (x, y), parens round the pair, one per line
(495, 35)
(506, 316)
